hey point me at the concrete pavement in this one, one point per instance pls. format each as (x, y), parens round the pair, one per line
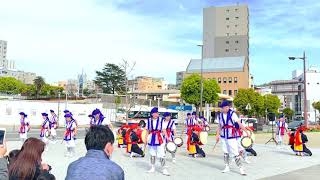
(270, 162)
(310, 173)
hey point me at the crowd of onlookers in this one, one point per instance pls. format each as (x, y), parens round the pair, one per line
(26, 163)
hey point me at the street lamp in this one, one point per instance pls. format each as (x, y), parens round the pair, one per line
(201, 73)
(59, 95)
(305, 113)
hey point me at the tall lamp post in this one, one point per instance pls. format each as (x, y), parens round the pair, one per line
(305, 113)
(201, 73)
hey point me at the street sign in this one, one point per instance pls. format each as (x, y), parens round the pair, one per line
(248, 107)
(180, 108)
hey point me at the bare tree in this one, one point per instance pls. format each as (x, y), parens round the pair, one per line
(128, 68)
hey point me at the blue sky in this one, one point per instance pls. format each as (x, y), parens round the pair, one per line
(57, 39)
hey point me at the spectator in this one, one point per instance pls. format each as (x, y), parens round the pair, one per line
(46, 176)
(96, 165)
(27, 165)
(13, 156)
(3, 163)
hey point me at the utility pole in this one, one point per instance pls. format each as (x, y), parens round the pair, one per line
(201, 73)
(305, 109)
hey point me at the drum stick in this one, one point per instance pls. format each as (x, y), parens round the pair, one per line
(215, 146)
(145, 148)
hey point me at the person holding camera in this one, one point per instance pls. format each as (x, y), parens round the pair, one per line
(3, 163)
(28, 164)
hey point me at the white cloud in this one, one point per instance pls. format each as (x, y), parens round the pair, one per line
(80, 34)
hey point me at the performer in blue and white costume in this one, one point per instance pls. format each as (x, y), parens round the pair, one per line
(69, 135)
(169, 126)
(155, 141)
(189, 123)
(282, 128)
(99, 119)
(195, 117)
(44, 131)
(226, 132)
(24, 127)
(53, 125)
(76, 128)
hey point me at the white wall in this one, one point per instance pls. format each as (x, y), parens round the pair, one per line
(9, 111)
(313, 89)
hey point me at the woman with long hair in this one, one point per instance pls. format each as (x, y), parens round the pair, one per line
(28, 165)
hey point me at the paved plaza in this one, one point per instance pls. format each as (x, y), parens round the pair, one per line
(270, 162)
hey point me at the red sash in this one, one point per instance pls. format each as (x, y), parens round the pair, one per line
(158, 133)
(282, 130)
(168, 132)
(232, 127)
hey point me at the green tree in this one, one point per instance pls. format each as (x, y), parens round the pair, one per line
(272, 103)
(288, 113)
(111, 79)
(249, 96)
(10, 85)
(316, 105)
(38, 83)
(210, 91)
(30, 90)
(191, 90)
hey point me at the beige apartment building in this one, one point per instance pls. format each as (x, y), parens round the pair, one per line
(231, 73)
(8, 68)
(145, 83)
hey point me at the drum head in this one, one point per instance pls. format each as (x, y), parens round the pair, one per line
(178, 141)
(171, 147)
(143, 136)
(204, 137)
(246, 142)
(207, 128)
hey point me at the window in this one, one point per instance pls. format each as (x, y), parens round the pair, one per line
(236, 49)
(227, 10)
(227, 19)
(230, 79)
(237, 18)
(224, 91)
(236, 25)
(227, 42)
(236, 9)
(237, 42)
(224, 80)
(227, 50)
(235, 80)
(219, 80)
(228, 26)
(235, 92)
(236, 34)
(230, 92)
(227, 34)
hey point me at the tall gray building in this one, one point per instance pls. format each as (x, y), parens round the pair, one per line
(179, 78)
(3, 49)
(226, 31)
